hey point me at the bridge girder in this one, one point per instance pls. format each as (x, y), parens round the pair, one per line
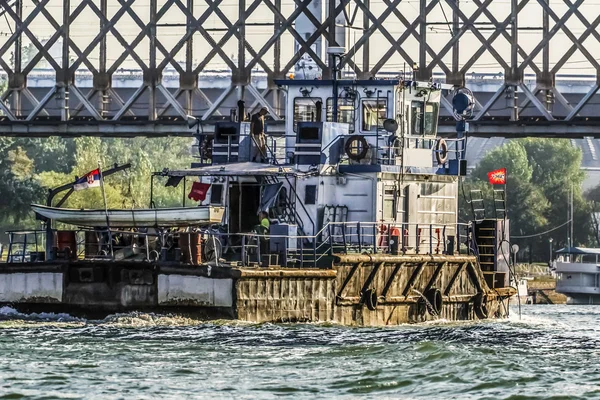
(440, 38)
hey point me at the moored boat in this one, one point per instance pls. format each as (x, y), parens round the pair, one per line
(578, 274)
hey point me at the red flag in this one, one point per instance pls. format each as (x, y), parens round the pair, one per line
(199, 191)
(497, 177)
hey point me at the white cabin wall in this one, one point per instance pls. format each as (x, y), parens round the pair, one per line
(358, 193)
(437, 203)
(312, 210)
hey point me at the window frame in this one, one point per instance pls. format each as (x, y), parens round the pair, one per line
(432, 132)
(379, 123)
(314, 102)
(329, 113)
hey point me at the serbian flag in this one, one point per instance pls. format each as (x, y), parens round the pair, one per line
(199, 190)
(89, 180)
(497, 177)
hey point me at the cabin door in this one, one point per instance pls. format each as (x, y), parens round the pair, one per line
(244, 201)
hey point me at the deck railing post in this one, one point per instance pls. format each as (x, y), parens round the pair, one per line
(404, 237)
(430, 239)
(358, 233)
(389, 239)
(24, 247)
(344, 237)
(258, 249)
(458, 237)
(418, 237)
(330, 240)
(244, 250)
(444, 240)
(374, 238)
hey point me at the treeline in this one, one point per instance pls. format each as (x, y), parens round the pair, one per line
(540, 176)
(29, 167)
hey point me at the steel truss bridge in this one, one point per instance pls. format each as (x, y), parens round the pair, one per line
(127, 68)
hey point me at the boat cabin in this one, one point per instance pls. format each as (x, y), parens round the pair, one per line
(372, 175)
(578, 274)
(356, 166)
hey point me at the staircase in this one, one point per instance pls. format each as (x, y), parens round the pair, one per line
(487, 243)
(477, 205)
(285, 210)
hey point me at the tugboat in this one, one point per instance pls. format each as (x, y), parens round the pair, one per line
(359, 223)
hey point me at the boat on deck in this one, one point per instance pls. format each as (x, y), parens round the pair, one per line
(362, 198)
(134, 218)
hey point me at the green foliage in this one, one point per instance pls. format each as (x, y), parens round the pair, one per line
(18, 186)
(540, 176)
(29, 167)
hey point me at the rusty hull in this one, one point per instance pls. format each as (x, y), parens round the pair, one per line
(397, 285)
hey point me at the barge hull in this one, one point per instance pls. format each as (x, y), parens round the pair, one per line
(371, 292)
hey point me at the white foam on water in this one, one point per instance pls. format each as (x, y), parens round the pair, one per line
(12, 314)
(8, 311)
(144, 320)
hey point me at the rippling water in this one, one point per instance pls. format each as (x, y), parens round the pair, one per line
(552, 352)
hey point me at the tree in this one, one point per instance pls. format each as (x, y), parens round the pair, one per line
(540, 175)
(29, 167)
(18, 185)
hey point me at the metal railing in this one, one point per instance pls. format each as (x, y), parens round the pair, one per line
(251, 248)
(383, 154)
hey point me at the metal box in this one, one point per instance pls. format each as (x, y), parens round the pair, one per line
(283, 238)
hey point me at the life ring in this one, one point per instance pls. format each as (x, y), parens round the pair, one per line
(369, 297)
(356, 142)
(435, 300)
(480, 305)
(441, 151)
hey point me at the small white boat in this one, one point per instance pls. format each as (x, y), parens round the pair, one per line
(522, 296)
(134, 218)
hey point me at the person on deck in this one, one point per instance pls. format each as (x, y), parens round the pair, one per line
(257, 129)
(265, 223)
(263, 229)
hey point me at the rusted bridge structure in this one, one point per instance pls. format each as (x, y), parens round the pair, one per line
(65, 62)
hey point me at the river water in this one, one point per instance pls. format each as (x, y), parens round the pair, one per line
(552, 352)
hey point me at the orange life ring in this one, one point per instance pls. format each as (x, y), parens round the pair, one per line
(441, 151)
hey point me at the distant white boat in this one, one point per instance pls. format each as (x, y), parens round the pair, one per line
(138, 218)
(522, 295)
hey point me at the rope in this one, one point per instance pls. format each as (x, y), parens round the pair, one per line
(542, 233)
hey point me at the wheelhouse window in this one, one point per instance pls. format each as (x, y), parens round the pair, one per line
(346, 112)
(374, 112)
(307, 109)
(424, 118)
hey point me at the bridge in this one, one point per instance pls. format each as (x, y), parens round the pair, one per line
(123, 68)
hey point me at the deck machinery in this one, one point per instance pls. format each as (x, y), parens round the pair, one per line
(362, 196)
